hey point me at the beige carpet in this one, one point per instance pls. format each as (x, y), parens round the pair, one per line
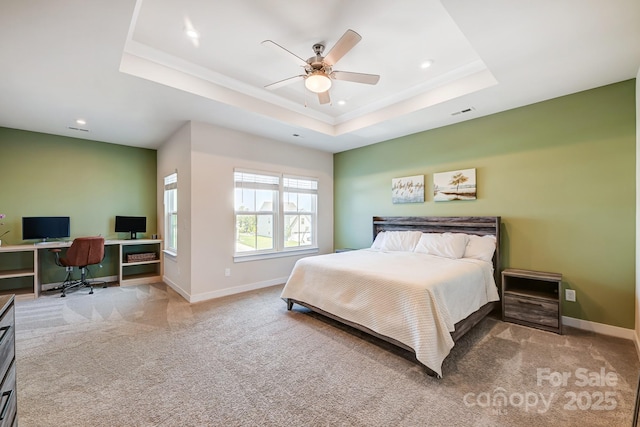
(142, 356)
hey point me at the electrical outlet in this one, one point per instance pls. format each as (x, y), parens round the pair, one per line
(227, 272)
(570, 295)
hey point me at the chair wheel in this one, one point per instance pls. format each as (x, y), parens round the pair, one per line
(91, 292)
(62, 296)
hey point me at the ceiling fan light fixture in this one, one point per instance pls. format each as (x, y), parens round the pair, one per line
(318, 82)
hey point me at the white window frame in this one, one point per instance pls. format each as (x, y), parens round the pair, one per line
(171, 184)
(278, 221)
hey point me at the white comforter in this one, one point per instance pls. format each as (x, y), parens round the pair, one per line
(411, 297)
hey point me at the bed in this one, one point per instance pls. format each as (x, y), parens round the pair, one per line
(421, 286)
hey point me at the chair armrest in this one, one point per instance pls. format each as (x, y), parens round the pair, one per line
(57, 251)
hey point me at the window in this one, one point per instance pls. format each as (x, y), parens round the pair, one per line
(171, 213)
(274, 213)
(300, 197)
(256, 210)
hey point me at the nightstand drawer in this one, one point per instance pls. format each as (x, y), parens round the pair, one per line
(530, 309)
(7, 340)
(8, 398)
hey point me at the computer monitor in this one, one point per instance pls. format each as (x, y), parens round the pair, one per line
(45, 227)
(131, 224)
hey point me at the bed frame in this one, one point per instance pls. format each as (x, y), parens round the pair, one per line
(479, 225)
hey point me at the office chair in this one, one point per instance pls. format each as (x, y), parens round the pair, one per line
(84, 251)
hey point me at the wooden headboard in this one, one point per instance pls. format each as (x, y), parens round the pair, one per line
(479, 225)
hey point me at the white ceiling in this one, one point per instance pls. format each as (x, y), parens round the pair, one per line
(128, 69)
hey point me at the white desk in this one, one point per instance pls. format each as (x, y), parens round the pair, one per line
(27, 265)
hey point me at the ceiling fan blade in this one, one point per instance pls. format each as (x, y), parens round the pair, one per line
(348, 40)
(281, 49)
(284, 82)
(324, 97)
(369, 79)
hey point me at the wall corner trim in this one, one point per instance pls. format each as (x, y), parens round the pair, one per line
(176, 288)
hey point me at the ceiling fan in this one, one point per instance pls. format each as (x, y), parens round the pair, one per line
(319, 69)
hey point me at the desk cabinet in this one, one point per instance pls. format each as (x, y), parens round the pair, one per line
(140, 272)
(19, 271)
(8, 392)
(532, 298)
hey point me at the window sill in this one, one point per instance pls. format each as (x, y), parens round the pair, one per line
(256, 257)
(170, 254)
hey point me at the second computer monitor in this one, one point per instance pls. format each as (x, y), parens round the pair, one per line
(131, 224)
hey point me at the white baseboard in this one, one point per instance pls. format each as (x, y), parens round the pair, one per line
(600, 328)
(184, 294)
(236, 290)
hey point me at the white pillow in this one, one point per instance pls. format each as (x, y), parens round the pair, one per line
(405, 241)
(480, 247)
(378, 241)
(448, 245)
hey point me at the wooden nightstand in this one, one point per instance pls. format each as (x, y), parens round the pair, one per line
(532, 298)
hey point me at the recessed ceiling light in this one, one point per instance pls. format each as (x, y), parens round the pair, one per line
(426, 64)
(81, 122)
(192, 33)
(342, 102)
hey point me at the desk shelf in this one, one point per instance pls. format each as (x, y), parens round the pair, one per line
(127, 264)
(140, 279)
(8, 274)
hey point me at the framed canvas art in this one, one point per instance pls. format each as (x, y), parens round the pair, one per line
(454, 185)
(409, 189)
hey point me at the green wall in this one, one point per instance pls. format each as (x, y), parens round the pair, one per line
(89, 181)
(560, 173)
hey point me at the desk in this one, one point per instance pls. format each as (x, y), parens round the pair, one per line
(22, 261)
